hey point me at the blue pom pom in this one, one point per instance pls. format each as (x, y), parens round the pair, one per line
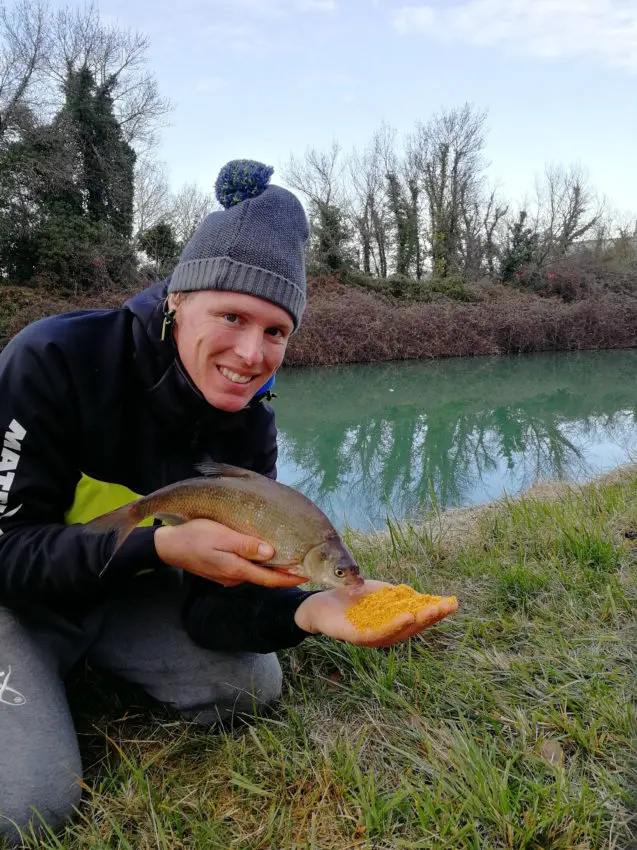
(241, 179)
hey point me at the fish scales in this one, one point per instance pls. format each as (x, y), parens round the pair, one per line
(241, 505)
(304, 540)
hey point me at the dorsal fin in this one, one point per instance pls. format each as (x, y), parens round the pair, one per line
(212, 469)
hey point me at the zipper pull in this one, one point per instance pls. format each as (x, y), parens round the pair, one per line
(169, 320)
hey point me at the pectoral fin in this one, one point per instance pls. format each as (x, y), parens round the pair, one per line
(293, 569)
(171, 519)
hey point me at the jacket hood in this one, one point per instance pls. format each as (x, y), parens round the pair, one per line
(148, 306)
(169, 391)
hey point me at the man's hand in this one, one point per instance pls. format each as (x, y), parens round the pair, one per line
(214, 551)
(324, 613)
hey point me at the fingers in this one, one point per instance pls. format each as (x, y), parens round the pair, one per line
(215, 552)
(237, 551)
(397, 631)
(244, 545)
(433, 613)
(267, 577)
(388, 630)
(230, 569)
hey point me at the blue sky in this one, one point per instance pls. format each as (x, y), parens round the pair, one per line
(266, 78)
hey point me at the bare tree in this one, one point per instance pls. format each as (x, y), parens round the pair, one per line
(383, 146)
(39, 48)
(613, 225)
(23, 51)
(482, 219)
(80, 39)
(152, 200)
(368, 203)
(187, 209)
(566, 210)
(403, 195)
(448, 155)
(494, 216)
(360, 203)
(471, 248)
(319, 177)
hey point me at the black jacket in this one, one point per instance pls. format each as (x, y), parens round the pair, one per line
(94, 402)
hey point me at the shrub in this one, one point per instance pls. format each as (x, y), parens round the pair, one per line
(580, 275)
(560, 280)
(21, 305)
(346, 324)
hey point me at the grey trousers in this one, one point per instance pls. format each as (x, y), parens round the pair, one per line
(140, 638)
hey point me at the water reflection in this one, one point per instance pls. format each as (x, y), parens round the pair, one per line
(366, 440)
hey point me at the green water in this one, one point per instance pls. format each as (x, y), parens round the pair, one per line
(365, 441)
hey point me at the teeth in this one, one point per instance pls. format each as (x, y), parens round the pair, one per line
(234, 377)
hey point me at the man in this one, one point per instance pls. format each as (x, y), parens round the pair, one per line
(101, 406)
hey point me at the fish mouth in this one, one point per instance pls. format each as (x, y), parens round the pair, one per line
(353, 581)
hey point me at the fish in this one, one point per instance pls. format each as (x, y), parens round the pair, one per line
(305, 542)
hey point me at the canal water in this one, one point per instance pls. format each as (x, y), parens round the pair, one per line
(371, 440)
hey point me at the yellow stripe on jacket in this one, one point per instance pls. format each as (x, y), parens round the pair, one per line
(94, 498)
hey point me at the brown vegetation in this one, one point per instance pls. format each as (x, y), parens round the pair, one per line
(347, 324)
(21, 305)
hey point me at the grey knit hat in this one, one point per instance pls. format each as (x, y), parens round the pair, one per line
(256, 244)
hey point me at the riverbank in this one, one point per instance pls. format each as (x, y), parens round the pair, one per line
(452, 530)
(348, 324)
(511, 724)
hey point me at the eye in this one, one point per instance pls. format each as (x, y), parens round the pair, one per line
(230, 317)
(275, 332)
(339, 573)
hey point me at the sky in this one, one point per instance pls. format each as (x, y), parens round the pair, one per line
(268, 78)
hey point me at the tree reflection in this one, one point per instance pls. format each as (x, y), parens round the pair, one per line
(376, 438)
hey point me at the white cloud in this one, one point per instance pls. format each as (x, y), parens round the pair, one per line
(602, 29)
(277, 8)
(414, 18)
(259, 8)
(316, 5)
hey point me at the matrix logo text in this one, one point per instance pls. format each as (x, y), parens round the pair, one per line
(9, 460)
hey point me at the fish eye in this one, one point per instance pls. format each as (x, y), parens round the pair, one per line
(339, 573)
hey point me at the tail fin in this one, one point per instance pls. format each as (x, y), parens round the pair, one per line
(122, 520)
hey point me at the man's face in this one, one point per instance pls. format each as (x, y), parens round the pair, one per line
(230, 344)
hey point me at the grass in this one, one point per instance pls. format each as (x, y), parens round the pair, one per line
(510, 725)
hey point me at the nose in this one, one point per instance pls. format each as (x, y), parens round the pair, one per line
(250, 346)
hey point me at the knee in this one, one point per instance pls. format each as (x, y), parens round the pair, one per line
(35, 808)
(250, 682)
(263, 681)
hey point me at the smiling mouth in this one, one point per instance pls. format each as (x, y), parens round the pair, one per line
(235, 377)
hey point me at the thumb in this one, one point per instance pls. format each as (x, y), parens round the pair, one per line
(253, 549)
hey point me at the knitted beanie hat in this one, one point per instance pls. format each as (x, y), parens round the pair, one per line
(256, 244)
